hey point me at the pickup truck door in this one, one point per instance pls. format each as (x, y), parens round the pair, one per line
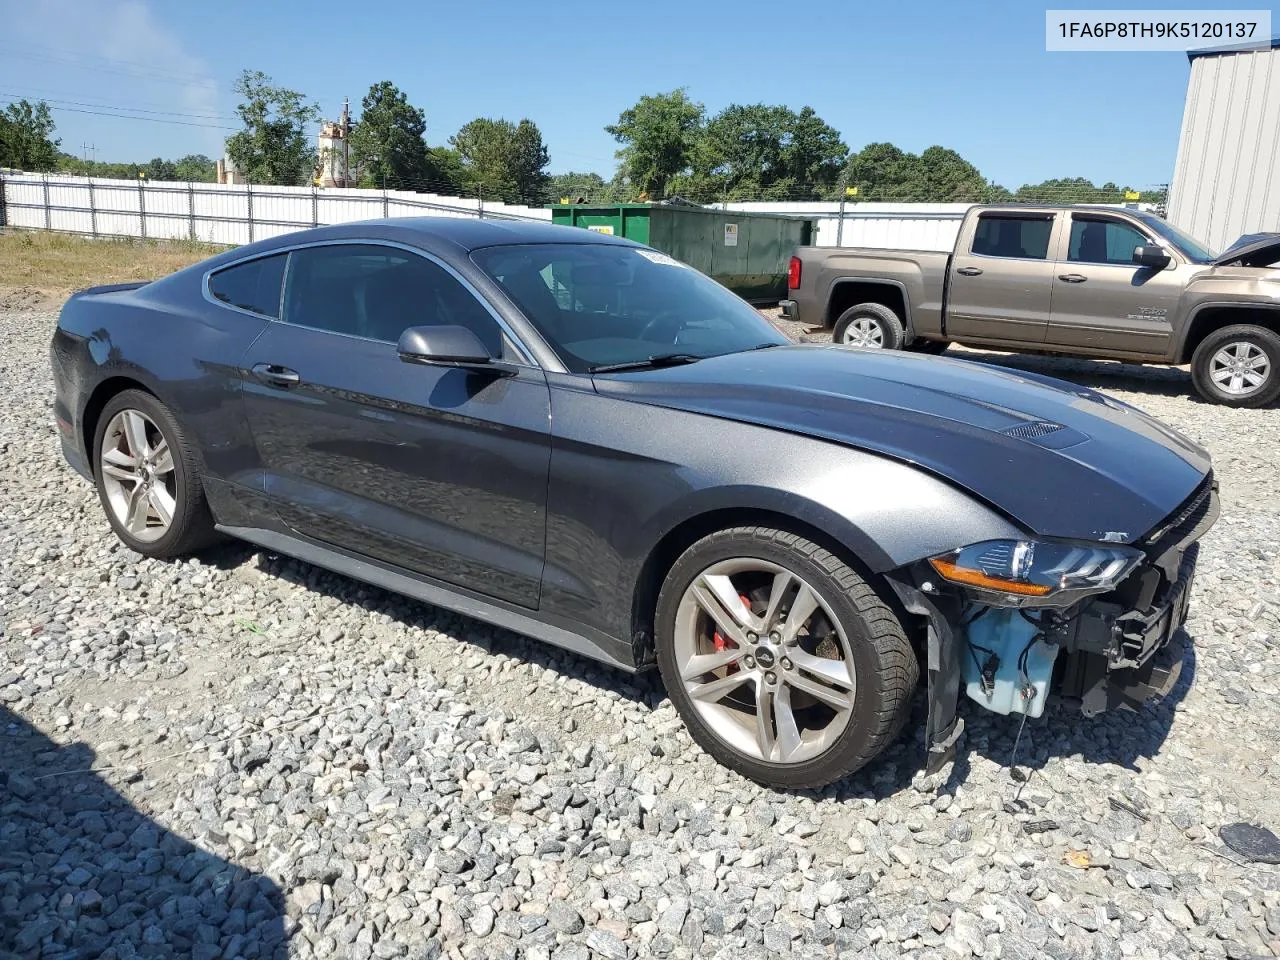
(1001, 279)
(1103, 302)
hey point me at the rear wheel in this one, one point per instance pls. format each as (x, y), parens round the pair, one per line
(1238, 366)
(784, 664)
(147, 479)
(871, 326)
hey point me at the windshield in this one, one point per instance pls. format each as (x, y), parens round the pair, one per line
(1189, 247)
(600, 304)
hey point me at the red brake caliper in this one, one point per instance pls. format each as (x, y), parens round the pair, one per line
(722, 643)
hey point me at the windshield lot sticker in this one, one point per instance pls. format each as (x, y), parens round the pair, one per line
(653, 256)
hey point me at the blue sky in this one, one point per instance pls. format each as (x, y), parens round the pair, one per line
(975, 78)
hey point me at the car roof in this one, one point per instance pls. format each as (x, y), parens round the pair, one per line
(463, 234)
(471, 233)
(446, 237)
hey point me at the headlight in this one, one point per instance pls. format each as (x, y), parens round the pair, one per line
(1016, 573)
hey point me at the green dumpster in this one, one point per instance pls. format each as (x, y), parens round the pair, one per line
(747, 252)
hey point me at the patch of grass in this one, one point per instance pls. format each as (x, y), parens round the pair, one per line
(53, 265)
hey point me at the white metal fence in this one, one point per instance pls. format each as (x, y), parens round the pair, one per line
(213, 212)
(236, 213)
(908, 226)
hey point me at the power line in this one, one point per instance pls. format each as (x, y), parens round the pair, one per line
(114, 106)
(33, 93)
(79, 61)
(127, 116)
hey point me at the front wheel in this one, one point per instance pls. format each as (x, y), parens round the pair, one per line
(783, 662)
(871, 326)
(1238, 366)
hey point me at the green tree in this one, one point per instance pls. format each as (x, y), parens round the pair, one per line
(813, 153)
(659, 136)
(883, 172)
(195, 168)
(273, 147)
(387, 145)
(1083, 190)
(590, 186)
(158, 169)
(949, 177)
(529, 162)
(449, 171)
(765, 152)
(503, 159)
(26, 137)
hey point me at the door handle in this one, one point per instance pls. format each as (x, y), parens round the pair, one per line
(969, 271)
(1072, 277)
(276, 375)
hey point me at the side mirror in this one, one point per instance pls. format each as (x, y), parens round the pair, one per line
(451, 345)
(1151, 255)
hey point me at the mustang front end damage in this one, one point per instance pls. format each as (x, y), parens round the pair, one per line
(1014, 623)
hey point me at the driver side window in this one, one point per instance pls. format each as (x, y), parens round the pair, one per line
(377, 292)
(1103, 241)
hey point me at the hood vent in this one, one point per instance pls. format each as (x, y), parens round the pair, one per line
(1032, 431)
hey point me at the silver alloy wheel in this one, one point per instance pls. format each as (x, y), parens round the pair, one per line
(863, 332)
(137, 474)
(771, 675)
(1240, 368)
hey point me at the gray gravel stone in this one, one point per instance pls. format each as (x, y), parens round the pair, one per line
(563, 917)
(309, 767)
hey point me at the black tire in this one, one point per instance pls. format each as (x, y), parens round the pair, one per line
(192, 525)
(930, 347)
(886, 669)
(888, 322)
(1259, 338)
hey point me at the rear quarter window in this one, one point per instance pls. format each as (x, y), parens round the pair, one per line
(1022, 238)
(253, 286)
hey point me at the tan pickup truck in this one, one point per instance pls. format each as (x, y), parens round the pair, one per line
(1083, 281)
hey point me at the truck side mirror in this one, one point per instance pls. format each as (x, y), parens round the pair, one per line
(1151, 255)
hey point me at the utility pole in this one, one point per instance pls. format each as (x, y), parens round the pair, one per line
(86, 149)
(346, 144)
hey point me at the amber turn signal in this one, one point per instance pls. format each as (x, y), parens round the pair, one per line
(949, 570)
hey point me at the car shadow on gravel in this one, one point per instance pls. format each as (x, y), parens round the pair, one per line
(1118, 737)
(85, 874)
(641, 688)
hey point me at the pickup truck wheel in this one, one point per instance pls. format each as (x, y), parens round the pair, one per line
(1238, 366)
(871, 326)
(782, 661)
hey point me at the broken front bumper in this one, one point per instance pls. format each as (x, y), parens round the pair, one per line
(1116, 650)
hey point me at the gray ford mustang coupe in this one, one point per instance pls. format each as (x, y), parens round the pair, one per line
(583, 440)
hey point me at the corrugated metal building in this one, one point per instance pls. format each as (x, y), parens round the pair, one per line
(1226, 181)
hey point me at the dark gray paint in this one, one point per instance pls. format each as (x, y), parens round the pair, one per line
(536, 498)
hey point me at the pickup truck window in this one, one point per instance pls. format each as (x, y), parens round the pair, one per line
(1103, 241)
(1191, 248)
(1025, 238)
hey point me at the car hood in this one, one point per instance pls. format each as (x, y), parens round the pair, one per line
(1251, 250)
(1061, 460)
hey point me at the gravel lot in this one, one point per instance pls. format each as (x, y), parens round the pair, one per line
(286, 762)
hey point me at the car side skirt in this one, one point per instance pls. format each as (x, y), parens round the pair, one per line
(608, 650)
